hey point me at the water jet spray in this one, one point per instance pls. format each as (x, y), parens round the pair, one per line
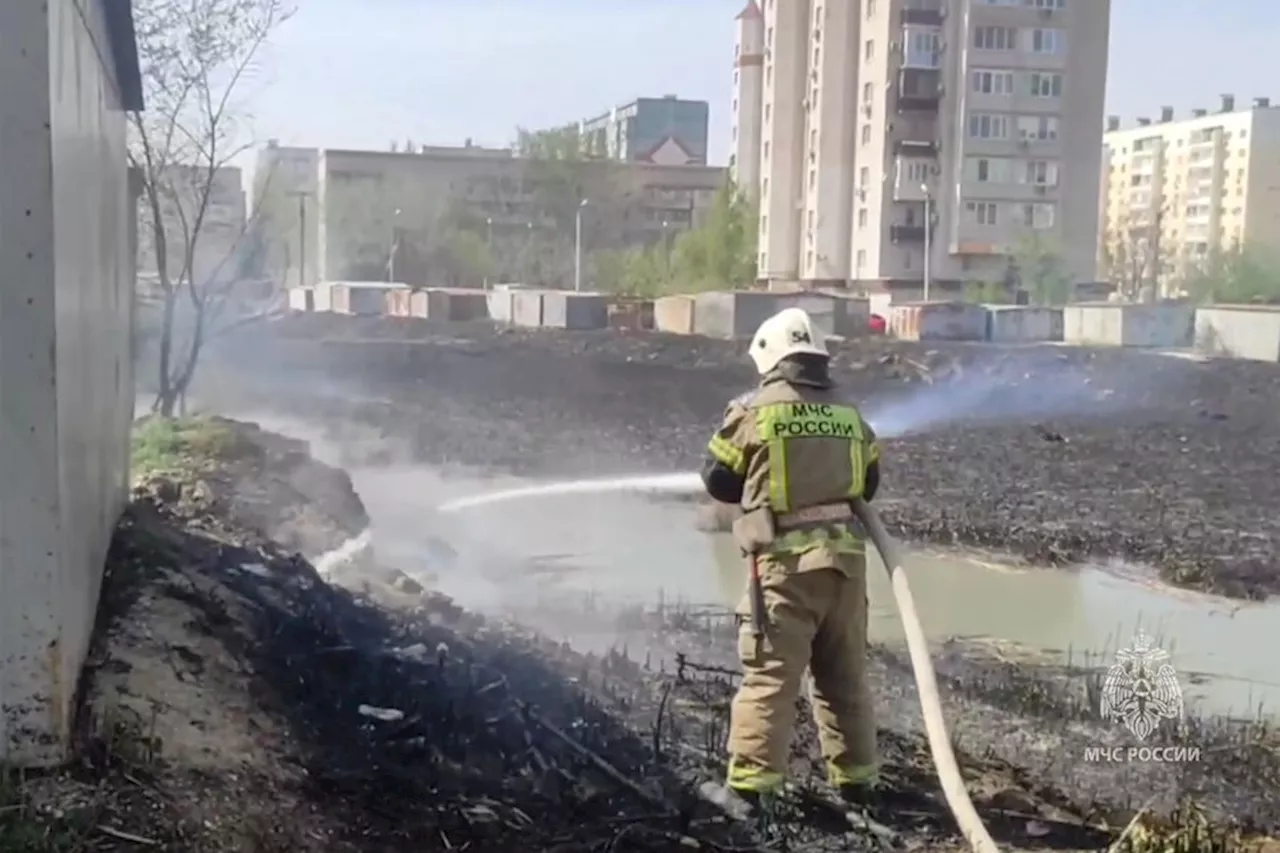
(944, 759)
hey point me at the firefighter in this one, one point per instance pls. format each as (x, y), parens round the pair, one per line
(794, 456)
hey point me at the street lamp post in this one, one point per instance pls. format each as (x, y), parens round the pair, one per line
(524, 255)
(488, 248)
(577, 247)
(928, 233)
(391, 255)
(302, 238)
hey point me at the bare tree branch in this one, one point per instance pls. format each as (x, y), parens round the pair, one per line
(196, 57)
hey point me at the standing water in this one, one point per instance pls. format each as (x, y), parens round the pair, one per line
(622, 545)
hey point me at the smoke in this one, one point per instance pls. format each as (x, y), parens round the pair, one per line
(1032, 386)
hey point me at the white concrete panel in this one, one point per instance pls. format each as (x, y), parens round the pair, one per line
(1239, 331)
(66, 383)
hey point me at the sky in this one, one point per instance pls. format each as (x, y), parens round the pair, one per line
(361, 73)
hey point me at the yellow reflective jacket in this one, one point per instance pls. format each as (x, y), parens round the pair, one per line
(798, 446)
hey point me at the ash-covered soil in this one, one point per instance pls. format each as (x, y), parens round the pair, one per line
(1055, 454)
(238, 702)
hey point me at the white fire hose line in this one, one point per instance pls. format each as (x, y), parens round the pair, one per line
(935, 724)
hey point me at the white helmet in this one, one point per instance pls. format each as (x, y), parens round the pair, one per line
(788, 332)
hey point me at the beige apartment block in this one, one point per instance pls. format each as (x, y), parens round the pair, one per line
(1176, 190)
(970, 125)
(336, 214)
(189, 195)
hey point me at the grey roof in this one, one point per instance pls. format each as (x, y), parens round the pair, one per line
(124, 51)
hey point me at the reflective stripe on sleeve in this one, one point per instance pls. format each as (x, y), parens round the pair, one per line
(727, 455)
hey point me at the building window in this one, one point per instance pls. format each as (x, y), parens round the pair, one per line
(764, 188)
(869, 50)
(1041, 173)
(861, 261)
(981, 212)
(1045, 85)
(917, 171)
(862, 217)
(1038, 216)
(867, 93)
(871, 8)
(1049, 41)
(1038, 128)
(864, 177)
(765, 150)
(992, 82)
(866, 134)
(995, 38)
(988, 170)
(988, 126)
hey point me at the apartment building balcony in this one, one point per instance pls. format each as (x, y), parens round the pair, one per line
(906, 233)
(910, 176)
(919, 89)
(925, 13)
(916, 148)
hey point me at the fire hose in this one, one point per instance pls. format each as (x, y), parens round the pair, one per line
(935, 725)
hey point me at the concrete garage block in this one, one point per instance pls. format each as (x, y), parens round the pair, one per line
(674, 314)
(1239, 331)
(938, 321)
(564, 309)
(1160, 324)
(457, 305)
(635, 315)
(1023, 324)
(734, 314)
(526, 307)
(500, 303)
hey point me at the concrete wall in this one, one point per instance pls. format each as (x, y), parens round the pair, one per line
(1239, 331)
(734, 314)
(1023, 323)
(66, 381)
(1167, 324)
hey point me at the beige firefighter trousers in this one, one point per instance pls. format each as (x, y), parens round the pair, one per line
(815, 619)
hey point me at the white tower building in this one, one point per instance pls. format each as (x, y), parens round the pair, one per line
(782, 146)
(748, 80)
(832, 121)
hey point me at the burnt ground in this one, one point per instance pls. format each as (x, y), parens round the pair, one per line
(1055, 454)
(236, 702)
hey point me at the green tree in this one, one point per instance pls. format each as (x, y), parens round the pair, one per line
(720, 253)
(465, 257)
(986, 292)
(1238, 275)
(1041, 271)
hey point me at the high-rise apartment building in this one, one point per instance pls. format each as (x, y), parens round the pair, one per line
(1173, 191)
(971, 126)
(666, 131)
(748, 98)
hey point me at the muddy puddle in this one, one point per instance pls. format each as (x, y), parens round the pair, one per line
(621, 547)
